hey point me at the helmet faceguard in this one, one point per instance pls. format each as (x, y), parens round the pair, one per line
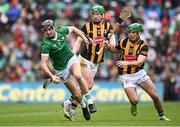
(97, 9)
(135, 27)
(47, 24)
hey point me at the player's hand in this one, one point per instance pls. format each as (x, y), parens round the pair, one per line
(55, 79)
(109, 36)
(91, 41)
(88, 41)
(107, 45)
(122, 64)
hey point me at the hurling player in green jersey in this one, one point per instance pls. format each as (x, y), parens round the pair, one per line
(54, 45)
(90, 55)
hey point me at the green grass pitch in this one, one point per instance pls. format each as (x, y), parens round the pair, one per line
(108, 114)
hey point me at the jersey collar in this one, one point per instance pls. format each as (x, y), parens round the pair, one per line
(55, 37)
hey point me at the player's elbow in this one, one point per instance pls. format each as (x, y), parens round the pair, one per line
(74, 29)
(139, 63)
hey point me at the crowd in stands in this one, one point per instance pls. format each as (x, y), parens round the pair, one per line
(20, 22)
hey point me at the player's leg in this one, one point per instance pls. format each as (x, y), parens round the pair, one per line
(72, 100)
(76, 94)
(68, 110)
(88, 75)
(88, 71)
(149, 87)
(129, 84)
(71, 104)
(76, 71)
(133, 98)
(71, 85)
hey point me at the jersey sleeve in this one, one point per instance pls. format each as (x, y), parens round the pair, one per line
(63, 29)
(119, 44)
(144, 50)
(45, 49)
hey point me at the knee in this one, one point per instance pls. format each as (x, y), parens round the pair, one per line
(77, 96)
(78, 77)
(90, 86)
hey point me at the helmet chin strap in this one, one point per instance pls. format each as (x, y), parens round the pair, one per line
(99, 22)
(136, 41)
(96, 22)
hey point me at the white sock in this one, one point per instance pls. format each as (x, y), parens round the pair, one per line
(87, 95)
(83, 104)
(90, 101)
(68, 101)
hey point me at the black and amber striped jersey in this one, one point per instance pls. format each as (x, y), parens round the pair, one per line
(98, 33)
(130, 52)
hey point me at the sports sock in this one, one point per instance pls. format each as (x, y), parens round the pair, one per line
(71, 99)
(83, 104)
(87, 96)
(74, 106)
(68, 101)
(161, 113)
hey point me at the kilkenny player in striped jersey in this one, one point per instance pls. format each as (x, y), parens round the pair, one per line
(133, 51)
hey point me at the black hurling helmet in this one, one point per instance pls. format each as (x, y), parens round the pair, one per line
(47, 24)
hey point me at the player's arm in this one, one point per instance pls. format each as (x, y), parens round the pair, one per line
(79, 40)
(77, 45)
(140, 60)
(78, 32)
(112, 41)
(44, 66)
(112, 47)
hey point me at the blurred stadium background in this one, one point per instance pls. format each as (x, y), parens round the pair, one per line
(21, 93)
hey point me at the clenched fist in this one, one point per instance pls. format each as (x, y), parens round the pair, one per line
(55, 79)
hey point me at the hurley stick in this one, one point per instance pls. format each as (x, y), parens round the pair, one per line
(125, 14)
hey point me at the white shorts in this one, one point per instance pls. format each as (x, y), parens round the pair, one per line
(133, 80)
(89, 64)
(65, 74)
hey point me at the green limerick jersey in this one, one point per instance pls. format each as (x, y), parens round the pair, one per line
(57, 48)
